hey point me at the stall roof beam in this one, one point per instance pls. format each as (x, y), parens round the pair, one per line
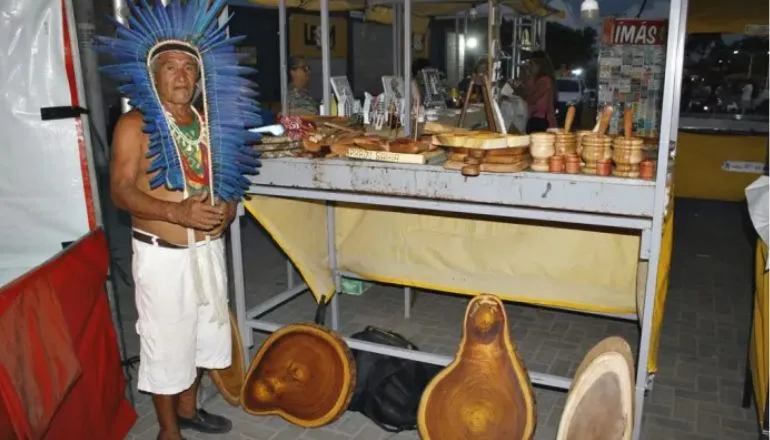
(424, 8)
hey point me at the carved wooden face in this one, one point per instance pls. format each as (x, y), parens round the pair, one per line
(485, 320)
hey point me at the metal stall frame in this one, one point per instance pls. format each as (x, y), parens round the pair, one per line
(586, 200)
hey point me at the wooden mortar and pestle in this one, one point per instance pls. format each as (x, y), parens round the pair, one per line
(597, 146)
(627, 150)
(541, 147)
(566, 142)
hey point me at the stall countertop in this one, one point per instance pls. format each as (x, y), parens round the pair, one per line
(748, 125)
(632, 199)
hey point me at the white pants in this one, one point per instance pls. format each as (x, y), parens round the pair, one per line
(176, 334)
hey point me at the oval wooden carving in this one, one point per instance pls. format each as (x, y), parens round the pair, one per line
(229, 381)
(303, 373)
(485, 392)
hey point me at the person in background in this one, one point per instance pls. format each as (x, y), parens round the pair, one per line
(300, 102)
(539, 90)
(746, 94)
(481, 68)
(417, 66)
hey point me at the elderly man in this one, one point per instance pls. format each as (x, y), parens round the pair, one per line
(179, 172)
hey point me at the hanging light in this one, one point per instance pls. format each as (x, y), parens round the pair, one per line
(589, 10)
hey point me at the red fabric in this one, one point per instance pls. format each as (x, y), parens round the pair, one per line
(296, 127)
(96, 406)
(37, 360)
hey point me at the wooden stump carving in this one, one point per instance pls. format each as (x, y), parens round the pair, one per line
(600, 403)
(485, 392)
(303, 373)
(229, 381)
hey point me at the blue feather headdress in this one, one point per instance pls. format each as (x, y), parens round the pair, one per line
(229, 104)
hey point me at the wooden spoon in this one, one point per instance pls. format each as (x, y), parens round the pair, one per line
(628, 123)
(570, 118)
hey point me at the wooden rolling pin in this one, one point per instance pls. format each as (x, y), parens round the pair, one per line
(628, 123)
(570, 118)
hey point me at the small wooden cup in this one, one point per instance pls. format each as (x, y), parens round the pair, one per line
(604, 167)
(647, 170)
(556, 164)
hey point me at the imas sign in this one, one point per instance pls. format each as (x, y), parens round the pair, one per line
(634, 32)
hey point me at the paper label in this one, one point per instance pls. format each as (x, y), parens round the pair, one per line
(738, 166)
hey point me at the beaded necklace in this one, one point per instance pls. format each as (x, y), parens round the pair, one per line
(191, 142)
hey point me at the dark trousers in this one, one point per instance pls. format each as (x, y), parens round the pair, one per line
(535, 125)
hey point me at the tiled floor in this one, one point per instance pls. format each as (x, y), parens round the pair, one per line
(697, 392)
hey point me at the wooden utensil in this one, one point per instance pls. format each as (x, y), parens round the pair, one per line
(604, 120)
(569, 118)
(628, 123)
(485, 392)
(303, 373)
(600, 401)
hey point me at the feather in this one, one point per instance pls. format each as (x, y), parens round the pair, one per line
(228, 94)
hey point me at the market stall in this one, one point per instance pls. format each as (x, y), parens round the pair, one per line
(720, 154)
(588, 241)
(757, 387)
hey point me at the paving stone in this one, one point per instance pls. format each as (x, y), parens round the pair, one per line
(701, 362)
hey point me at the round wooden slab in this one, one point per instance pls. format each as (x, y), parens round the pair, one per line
(485, 392)
(303, 373)
(229, 381)
(600, 401)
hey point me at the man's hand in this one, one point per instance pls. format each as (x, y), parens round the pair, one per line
(229, 210)
(194, 212)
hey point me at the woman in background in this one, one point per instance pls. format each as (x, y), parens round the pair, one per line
(300, 102)
(539, 90)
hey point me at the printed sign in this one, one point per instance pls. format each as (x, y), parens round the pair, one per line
(305, 36)
(634, 32)
(738, 166)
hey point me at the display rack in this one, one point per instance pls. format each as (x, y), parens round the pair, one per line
(575, 199)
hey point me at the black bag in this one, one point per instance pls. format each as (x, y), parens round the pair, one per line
(388, 389)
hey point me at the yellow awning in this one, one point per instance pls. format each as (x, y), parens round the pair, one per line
(725, 16)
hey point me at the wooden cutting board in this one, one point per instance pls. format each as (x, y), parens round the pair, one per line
(481, 140)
